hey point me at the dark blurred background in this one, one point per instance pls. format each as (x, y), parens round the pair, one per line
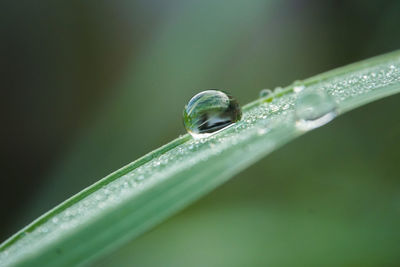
(89, 86)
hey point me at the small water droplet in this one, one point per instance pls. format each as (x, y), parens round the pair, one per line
(278, 89)
(298, 88)
(262, 131)
(264, 93)
(313, 109)
(209, 112)
(43, 229)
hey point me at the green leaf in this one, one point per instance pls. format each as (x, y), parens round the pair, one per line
(142, 194)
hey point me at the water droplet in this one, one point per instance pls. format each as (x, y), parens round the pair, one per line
(278, 90)
(298, 88)
(43, 229)
(262, 131)
(313, 109)
(209, 112)
(264, 93)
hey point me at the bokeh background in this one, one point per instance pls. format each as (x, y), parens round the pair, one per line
(89, 86)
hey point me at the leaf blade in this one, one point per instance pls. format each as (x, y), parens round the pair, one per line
(165, 188)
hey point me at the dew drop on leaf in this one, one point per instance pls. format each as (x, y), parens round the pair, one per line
(298, 88)
(264, 93)
(209, 112)
(278, 90)
(313, 109)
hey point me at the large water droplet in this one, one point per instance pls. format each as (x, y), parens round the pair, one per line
(209, 112)
(313, 109)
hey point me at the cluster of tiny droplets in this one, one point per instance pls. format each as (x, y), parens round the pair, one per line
(256, 122)
(363, 82)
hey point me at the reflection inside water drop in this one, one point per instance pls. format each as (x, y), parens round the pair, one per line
(209, 112)
(313, 109)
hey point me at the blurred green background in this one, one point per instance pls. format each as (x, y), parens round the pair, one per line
(89, 86)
